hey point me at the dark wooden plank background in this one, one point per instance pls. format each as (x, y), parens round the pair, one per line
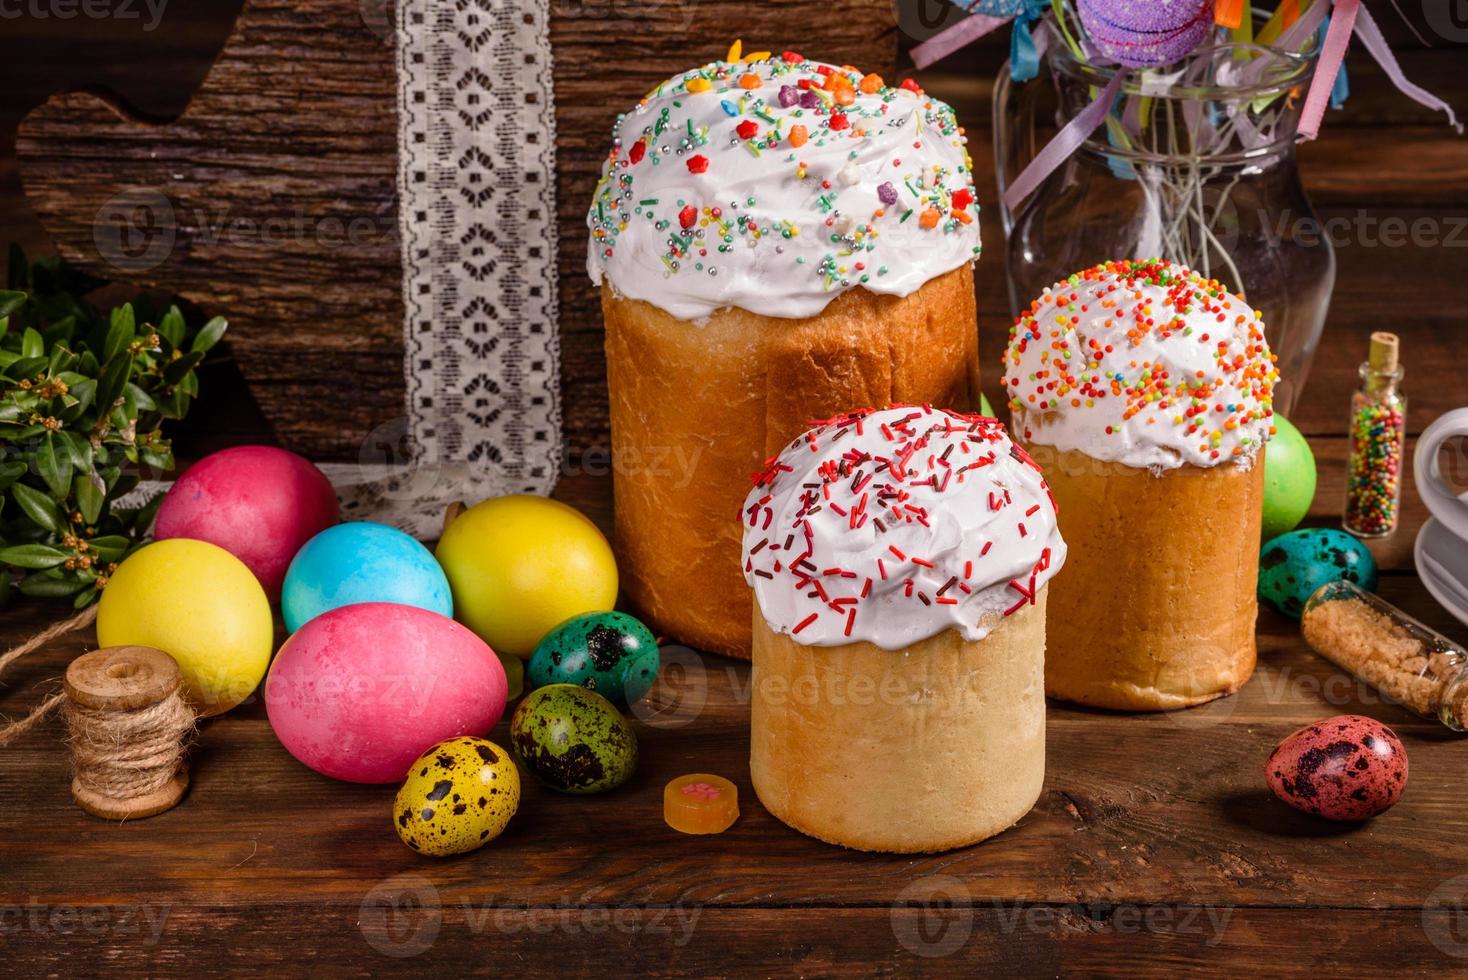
(1154, 848)
(307, 310)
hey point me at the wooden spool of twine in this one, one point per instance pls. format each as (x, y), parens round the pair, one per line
(128, 731)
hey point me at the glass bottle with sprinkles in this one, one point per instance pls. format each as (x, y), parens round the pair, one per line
(1378, 432)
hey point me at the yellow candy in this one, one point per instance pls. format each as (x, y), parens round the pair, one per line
(200, 604)
(699, 85)
(700, 803)
(522, 565)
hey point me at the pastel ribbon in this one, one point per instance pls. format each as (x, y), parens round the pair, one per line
(1351, 17)
(1332, 53)
(1371, 36)
(986, 17)
(1059, 149)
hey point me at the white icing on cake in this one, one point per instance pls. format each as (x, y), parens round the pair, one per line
(706, 200)
(1147, 364)
(892, 526)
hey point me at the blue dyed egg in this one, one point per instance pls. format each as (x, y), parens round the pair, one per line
(362, 562)
(610, 653)
(1294, 565)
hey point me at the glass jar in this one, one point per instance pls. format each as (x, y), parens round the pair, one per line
(1192, 171)
(1371, 639)
(1378, 439)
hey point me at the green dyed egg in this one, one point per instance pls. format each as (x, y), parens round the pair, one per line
(574, 740)
(1294, 565)
(984, 407)
(458, 796)
(1289, 479)
(610, 653)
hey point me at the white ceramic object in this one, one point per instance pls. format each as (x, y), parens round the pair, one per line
(1441, 550)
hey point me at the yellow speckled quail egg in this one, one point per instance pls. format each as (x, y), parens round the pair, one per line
(458, 796)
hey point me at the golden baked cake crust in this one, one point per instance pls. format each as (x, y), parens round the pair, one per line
(696, 409)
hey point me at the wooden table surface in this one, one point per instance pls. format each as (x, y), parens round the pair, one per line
(1154, 846)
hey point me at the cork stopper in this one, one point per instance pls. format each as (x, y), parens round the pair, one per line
(1384, 350)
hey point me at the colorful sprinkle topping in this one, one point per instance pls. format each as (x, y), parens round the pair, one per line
(1142, 362)
(802, 176)
(891, 526)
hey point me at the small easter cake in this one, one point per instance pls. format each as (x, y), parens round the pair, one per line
(1145, 390)
(899, 561)
(776, 239)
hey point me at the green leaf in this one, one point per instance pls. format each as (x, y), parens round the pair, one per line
(114, 377)
(210, 334)
(40, 508)
(176, 371)
(11, 301)
(159, 460)
(171, 327)
(78, 447)
(85, 392)
(32, 344)
(26, 367)
(55, 467)
(110, 547)
(84, 598)
(121, 332)
(174, 405)
(138, 400)
(33, 556)
(51, 585)
(90, 495)
(10, 472)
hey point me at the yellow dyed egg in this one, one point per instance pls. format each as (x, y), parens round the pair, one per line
(458, 796)
(521, 565)
(202, 606)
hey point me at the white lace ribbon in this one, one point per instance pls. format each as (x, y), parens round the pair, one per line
(476, 197)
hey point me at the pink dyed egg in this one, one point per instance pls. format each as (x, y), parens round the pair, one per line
(359, 692)
(1344, 768)
(1146, 33)
(256, 502)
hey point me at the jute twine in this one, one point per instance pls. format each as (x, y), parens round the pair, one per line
(124, 755)
(82, 619)
(128, 725)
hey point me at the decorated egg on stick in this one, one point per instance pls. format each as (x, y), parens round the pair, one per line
(362, 562)
(200, 605)
(1146, 33)
(258, 503)
(359, 692)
